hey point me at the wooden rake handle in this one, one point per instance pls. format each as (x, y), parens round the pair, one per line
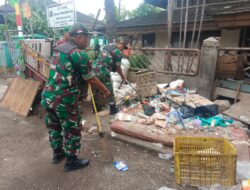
(96, 114)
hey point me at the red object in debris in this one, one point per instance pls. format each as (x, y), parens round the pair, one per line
(144, 101)
(238, 133)
(165, 108)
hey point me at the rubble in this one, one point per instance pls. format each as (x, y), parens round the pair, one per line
(177, 111)
(223, 105)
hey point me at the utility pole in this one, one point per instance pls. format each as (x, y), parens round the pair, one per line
(119, 7)
(18, 19)
(170, 18)
(186, 22)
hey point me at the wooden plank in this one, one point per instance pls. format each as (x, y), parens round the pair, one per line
(20, 95)
(230, 93)
(142, 143)
(131, 131)
(227, 59)
(240, 111)
(144, 132)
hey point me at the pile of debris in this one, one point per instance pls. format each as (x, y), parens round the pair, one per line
(177, 111)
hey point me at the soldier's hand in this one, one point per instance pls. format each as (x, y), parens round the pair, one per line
(107, 94)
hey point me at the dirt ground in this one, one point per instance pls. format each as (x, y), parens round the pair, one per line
(25, 160)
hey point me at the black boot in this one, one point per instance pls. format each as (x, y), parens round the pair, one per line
(58, 156)
(73, 163)
(113, 109)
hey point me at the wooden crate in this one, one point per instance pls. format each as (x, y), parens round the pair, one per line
(230, 66)
(146, 84)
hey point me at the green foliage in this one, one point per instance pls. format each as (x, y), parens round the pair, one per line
(139, 61)
(123, 15)
(143, 10)
(10, 25)
(39, 23)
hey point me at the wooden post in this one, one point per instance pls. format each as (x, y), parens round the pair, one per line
(170, 15)
(168, 65)
(209, 53)
(31, 28)
(186, 21)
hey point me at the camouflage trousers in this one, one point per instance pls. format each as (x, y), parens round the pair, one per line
(64, 127)
(100, 101)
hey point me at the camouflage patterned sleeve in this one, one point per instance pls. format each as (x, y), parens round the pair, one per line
(118, 56)
(80, 61)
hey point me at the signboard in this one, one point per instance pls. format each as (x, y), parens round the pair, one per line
(26, 10)
(61, 15)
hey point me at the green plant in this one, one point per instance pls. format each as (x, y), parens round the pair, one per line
(139, 61)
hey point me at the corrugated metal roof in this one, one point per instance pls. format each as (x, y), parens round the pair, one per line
(161, 18)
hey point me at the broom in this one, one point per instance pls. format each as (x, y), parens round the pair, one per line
(108, 157)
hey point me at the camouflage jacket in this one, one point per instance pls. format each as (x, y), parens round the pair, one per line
(103, 65)
(61, 88)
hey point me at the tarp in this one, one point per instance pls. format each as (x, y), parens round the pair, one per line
(5, 55)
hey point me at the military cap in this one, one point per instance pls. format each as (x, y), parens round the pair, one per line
(78, 29)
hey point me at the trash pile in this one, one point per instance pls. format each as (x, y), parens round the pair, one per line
(122, 90)
(179, 111)
(174, 111)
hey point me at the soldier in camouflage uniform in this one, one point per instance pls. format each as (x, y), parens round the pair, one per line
(108, 61)
(60, 100)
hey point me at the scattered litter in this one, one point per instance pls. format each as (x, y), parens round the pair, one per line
(121, 166)
(158, 145)
(160, 123)
(159, 116)
(223, 105)
(243, 170)
(244, 118)
(103, 113)
(176, 84)
(165, 156)
(15, 119)
(176, 111)
(165, 188)
(113, 134)
(192, 91)
(83, 122)
(172, 118)
(96, 154)
(216, 121)
(148, 109)
(142, 115)
(5, 159)
(162, 87)
(148, 121)
(124, 117)
(246, 185)
(94, 128)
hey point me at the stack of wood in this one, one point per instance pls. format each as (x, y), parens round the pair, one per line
(230, 66)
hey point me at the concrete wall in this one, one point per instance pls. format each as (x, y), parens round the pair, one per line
(204, 80)
(230, 38)
(161, 40)
(41, 46)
